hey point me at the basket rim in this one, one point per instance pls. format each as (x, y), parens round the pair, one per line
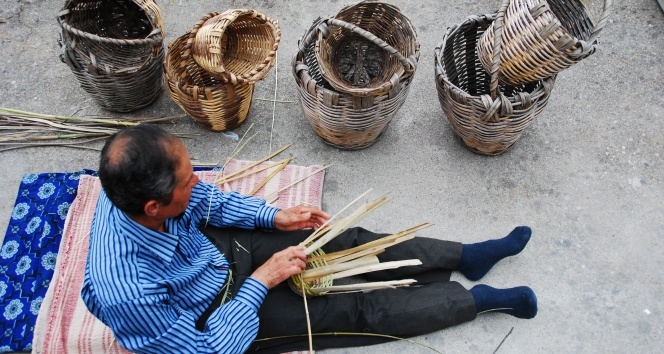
(156, 37)
(259, 72)
(441, 74)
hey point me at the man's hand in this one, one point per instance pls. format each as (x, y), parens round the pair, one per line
(281, 266)
(299, 217)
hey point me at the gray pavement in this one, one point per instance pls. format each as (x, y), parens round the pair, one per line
(586, 176)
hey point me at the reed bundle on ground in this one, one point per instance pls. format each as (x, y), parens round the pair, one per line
(323, 269)
(19, 129)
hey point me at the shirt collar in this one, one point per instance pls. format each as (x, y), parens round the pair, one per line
(162, 244)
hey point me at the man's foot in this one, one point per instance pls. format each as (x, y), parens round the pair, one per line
(478, 258)
(519, 302)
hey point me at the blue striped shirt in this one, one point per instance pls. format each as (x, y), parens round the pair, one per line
(150, 287)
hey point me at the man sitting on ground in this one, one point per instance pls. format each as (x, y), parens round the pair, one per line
(176, 266)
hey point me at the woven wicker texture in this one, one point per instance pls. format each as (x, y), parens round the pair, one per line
(487, 117)
(213, 104)
(368, 49)
(542, 38)
(296, 283)
(238, 45)
(343, 120)
(115, 50)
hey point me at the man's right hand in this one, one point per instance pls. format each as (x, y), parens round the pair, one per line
(281, 266)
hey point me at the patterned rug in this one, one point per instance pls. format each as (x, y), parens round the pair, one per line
(64, 324)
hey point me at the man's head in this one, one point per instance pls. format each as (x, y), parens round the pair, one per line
(143, 167)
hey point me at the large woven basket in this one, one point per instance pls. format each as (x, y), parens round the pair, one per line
(238, 45)
(115, 50)
(214, 105)
(542, 38)
(487, 117)
(367, 49)
(343, 120)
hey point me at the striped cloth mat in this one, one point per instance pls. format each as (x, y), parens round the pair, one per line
(64, 325)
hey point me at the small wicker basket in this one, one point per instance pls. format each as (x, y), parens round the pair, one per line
(238, 45)
(115, 50)
(367, 49)
(214, 105)
(348, 121)
(487, 117)
(541, 38)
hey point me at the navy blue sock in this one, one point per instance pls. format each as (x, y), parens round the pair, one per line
(519, 302)
(478, 258)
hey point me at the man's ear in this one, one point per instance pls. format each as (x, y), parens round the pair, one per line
(151, 208)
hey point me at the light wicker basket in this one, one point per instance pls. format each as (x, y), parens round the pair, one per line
(214, 105)
(488, 118)
(115, 50)
(238, 45)
(344, 120)
(367, 49)
(541, 38)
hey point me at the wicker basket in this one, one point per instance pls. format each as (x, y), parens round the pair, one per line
(343, 120)
(115, 50)
(487, 117)
(368, 49)
(238, 45)
(542, 38)
(213, 104)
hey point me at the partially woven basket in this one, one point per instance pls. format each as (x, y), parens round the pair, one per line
(487, 117)
(238, 45)
(347, 121)
(367, 49)
(115, 50)
(303, 288)
(214, 105)
(542, 38)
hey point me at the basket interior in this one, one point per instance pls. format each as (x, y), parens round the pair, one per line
(246, 42)
(573, 16)
(358, 61)
(119, 19)
(189, 73)
(463, 68)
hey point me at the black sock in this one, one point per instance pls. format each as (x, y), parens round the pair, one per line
(519, 302)
(478, 258)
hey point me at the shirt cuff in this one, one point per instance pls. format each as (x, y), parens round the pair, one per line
(265, 217)
(252, 293)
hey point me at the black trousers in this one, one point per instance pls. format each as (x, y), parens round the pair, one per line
(433, 303)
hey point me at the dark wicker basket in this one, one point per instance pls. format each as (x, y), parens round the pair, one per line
(214, 105)
(115, 50)
(344, 120)
(238, 45)
(541, 38)
(487, 117)
(367, 49)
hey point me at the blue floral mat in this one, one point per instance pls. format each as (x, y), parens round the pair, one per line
(29, 252)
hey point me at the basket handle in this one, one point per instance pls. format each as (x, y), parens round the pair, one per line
(588, 46)
(155, 37)
(497, 44)
(409, 64)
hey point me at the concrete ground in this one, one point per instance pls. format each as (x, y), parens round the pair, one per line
(586, 176)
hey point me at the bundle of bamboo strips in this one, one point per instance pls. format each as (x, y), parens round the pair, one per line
(323, 269)
(20, 129)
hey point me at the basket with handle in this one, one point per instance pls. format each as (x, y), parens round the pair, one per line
(542, 38)
(237, 45)
(367, 49)
(212, 103)
(115, 50)
(487, 117)
(344, 120)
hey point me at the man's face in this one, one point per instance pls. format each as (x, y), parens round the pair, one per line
(185, 179)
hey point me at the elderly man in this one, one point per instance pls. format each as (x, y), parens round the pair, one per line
(176, 266)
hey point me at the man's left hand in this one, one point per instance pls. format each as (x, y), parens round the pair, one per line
(299, 217)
